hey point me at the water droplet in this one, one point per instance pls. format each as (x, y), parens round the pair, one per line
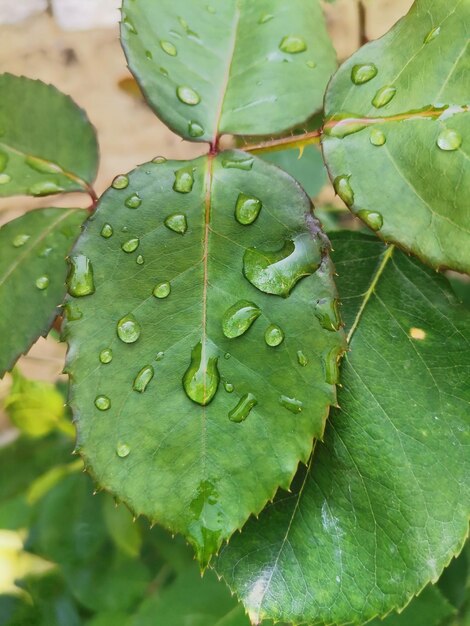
(195, 129)
(140, 260)
(293, 44)
(293, 405)
(120, 182)
(80, 278)
(210, 9)
(168, 48)
(186, 28)
(129, 25)
(273, 335)
(278, 271)
(449, 140)
(20, 240)
(134, 201)
(311, 64)
(373, 219)
(45, 252)
(103, 403)
(229, 388)
(159, 356)
(227, 356)
(43, 166)
(162, 290)
(42, 282)
(239, 163)
(72, 312)
(247, 209)
(163, 72)
(149, 55)
(326, 312)
(107, 231)
(4, 179)
(239, 318)
(266, 17)
(433, 33)
(243, 408)
(187, 95)
(202, 377)
(122, 450)
(383, 96)
(131, 245)
(184, 180)
(363, 73)
(377, 137)
(3, 161)
(159, 159)
(301, 358)
(343, 189)
(331, 367)
(177, 223)
(128, 329)
(143, 378)
(106, 355)
(343, 125)
(45, 188)
(208, 521)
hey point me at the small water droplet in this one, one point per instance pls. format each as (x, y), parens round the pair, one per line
(106, 355)
(42, 282)
(239, 163)
(120, 182)
(131, 245)
(159, 356)
(273, 335)
(134, 201)
(122, 450)
(107, 231)
(293, 405)
(168, 48)
(433, 33)
(187, 95)
(72, 312)
(449, 140)
(373, 219)
(187, 29)
(149, 55)
(301, 358)
(45, 188)
(377, 137)
(128, 329)
(177, 223)
(243, 408)
(162, 290)
(80, 277)
(4, 179)
(163, 72)
(202, 377)
(103, 403)
(229, 388)
(326, 312)
(227, 356)
(42, 166)
(247, 209)
(20, 240)
(45, 252)
(3, 161)
(311, 64)
(266, 17)
(195, 129)
(383, 96)
(129, 25)
(363, 73)
(184, 180)
(239, 318)
(140, 260)
(343, 189)
(159, 159)
(143, 378)
(293, 44)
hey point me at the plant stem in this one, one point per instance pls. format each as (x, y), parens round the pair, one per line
(284, 143)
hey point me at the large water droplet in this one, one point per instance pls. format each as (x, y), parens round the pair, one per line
(377, 137)
(326, 312)
(143, 378)
(177, 223)
(243, 408)
(131, 245)
(273, 335)
(247, 209)
(42, 282)
(120, 182)
(202, 377)
(45, 188)
(162, 290)
(195, 129)
(373, 219)
(433, 33)
(293, 44)
(43, 166)
(128, 329)
(122, 450)
(134, 201)
(449, 140)
(106, 355)
(184, 180)
(168, 48)
(20, 240)
(187, 95)
(293, 405)
(159, 160)
(301, 358)
(4, 179)
(205, 530)
(80, 278)
(332, 367)
(107, 231)
(229, 388)
(239, 163)
(383, 96)
(278, 271)
(103, 403)
(363, 73)
(343, 189)
(239, 317)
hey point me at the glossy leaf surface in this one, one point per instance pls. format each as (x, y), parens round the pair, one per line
(383, 506)
(402, 165)
(232, 67)
(215, 387)
(32, 276)
(47, 144)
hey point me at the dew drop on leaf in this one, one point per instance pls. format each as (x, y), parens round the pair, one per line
(107, 231)
(239, 318)
(247, 209)
(311, 64)
(140, 260)
(120, 182)
(134, 201)
(159, 159)
(177, 223)
(103, 403)
(149, 55)
(42, 166)
(331, 367)
(20, 240)
(168, 48)
(80, 277)
(373, 219)
(293, 405)
(42, 282)
(195, 129)
(72, 312)
(228, 387)
(162, 290)
(201, 379)
(45, 188)
(131, 245)
(184, 180)
(326, 312)
(159, 356)
(273, 335)
(293, 44)
(343, 189)
(363, 73)
(239, 163)
(122, 450)
(377, 137)
(106, 355)
(163, 72)
(433, 33)
(4, 179)
(449, 140)
(130, 26)
(187, 95)
(301, 358)
(143, 378)
(128, 329)
(243, 408)
(383, 96)
(266, 17)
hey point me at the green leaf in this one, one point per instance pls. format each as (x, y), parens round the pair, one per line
(403, 167)
(307, 168)
(164, 298)
(124, 532)
(384, 504)
(430, 608)
(32, 274)
(47, 144)
(455, 580)
(209, 70)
